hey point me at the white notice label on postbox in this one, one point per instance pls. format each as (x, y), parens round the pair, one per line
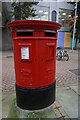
(25, 52)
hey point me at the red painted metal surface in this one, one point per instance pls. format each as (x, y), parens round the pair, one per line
(39, 70)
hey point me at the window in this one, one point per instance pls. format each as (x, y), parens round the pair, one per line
(64, 19)
(54, 15)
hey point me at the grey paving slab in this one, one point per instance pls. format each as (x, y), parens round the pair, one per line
(75, 89)
(10, 110)
(76, 71)
(79, 89)
(0, 95)
(7, 53)
(46, 113)
(6, 103)
(69, 100)
(0, 103)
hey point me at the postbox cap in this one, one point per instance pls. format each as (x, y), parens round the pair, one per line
(34, 24)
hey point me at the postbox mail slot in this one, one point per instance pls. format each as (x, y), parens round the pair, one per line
(24, 33)
(50, 33)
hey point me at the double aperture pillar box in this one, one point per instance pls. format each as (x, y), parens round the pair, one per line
(34, 46)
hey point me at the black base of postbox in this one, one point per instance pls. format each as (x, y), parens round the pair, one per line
(35, 99)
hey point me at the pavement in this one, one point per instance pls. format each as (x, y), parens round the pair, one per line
(67, 93)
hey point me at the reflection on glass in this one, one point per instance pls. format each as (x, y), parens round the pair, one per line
(65, 18)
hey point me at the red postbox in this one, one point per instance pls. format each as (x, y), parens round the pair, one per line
(34, 46)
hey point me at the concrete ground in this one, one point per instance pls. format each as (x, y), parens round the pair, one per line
(66, 104)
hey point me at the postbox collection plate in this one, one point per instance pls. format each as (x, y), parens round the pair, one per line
(24, 52)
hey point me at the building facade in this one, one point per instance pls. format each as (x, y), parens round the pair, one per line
(57, 11)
